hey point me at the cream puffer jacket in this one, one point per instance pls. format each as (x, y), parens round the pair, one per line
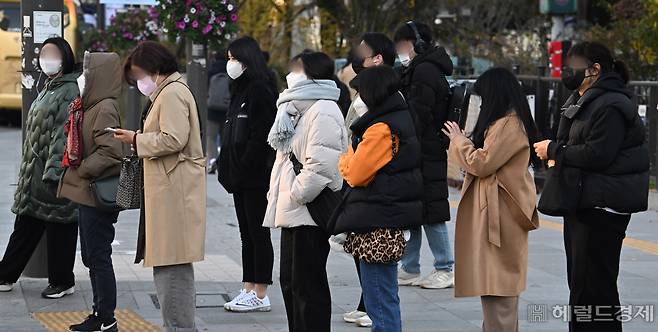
(319, 140)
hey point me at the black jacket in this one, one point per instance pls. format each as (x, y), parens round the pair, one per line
(605, 138)
(427, 91)
(393, 198)
(245, 159)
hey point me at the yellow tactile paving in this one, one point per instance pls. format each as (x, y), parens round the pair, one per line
(642, 245)
(128, 320)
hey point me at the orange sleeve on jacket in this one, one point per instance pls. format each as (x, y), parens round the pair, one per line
(374, 152)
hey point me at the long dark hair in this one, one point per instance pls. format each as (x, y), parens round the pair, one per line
(248, 52)
(68, 58)
(596, 52)
(501, 94)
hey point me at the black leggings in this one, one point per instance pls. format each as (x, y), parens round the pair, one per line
(62, 241)
(257, 251)
(593, 240)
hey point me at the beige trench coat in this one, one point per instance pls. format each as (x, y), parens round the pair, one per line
(174, 177)
(496, 212)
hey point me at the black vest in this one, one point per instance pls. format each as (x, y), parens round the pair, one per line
(394, 198)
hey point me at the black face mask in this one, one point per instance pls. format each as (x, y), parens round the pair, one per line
(357, 65)
(573, 79)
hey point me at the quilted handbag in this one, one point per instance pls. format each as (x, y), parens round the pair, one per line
(129, 191)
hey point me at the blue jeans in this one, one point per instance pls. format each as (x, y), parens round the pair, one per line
(437, 237)
(379, 283)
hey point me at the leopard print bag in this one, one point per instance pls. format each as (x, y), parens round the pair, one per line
(380, 246)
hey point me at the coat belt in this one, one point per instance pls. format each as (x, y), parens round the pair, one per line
(488, 198)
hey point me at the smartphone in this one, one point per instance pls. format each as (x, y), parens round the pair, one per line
(112, 130)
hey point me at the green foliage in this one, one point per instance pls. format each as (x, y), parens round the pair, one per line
(127, 28)
(633, 36)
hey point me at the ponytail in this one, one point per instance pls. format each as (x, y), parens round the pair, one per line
(599, 53)
(620, 68)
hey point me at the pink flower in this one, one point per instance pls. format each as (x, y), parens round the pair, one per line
(207, 29)
(234, 17)
(180, 25)
(195, 24)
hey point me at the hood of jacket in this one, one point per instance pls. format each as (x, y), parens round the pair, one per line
(436, 56)
(102, 77)
(607, 83)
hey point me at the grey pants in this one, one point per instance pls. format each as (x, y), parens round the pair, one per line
(501, 313)
(177, 296)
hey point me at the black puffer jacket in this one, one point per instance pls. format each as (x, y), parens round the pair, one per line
(393, 198)
(427, 91)
(605, 138)
(245, 159)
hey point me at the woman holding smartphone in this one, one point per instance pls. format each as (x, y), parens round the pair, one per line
(497, 207)
(173, 220)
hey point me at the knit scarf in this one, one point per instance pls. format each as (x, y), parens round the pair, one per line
(280, 136)
(73, 131)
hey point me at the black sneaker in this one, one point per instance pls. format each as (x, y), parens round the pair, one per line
(94, 324)
(56, 292)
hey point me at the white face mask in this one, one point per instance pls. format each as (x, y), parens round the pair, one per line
(146, 85)
(295, 78)
(81, 84)
(359, 106)
(234, 69)
(405, 59)
(49, 66)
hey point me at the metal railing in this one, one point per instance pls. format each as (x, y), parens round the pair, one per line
(550, 94)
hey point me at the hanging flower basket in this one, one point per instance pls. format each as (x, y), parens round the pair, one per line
(128, 28)
(211, 22)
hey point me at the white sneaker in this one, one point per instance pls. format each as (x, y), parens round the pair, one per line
(364, 321)
(407, 279)
(438, 280)
(251, 303)
(6, 287)
(243, 293)
(353, 316)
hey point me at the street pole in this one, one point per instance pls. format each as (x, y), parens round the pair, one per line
(40, 19)
(197, 80)
(100, 15)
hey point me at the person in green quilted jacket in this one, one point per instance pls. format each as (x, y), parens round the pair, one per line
(36, 205)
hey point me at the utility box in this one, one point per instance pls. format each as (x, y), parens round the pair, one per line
(558, 7)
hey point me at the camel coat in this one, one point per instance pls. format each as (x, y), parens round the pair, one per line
(496, 211)
(174, 177)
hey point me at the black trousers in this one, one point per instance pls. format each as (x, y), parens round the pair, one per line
(362, 305)
(593, 240)
(304, 284)
(62, 241)
(96, 236)
(257, 251)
